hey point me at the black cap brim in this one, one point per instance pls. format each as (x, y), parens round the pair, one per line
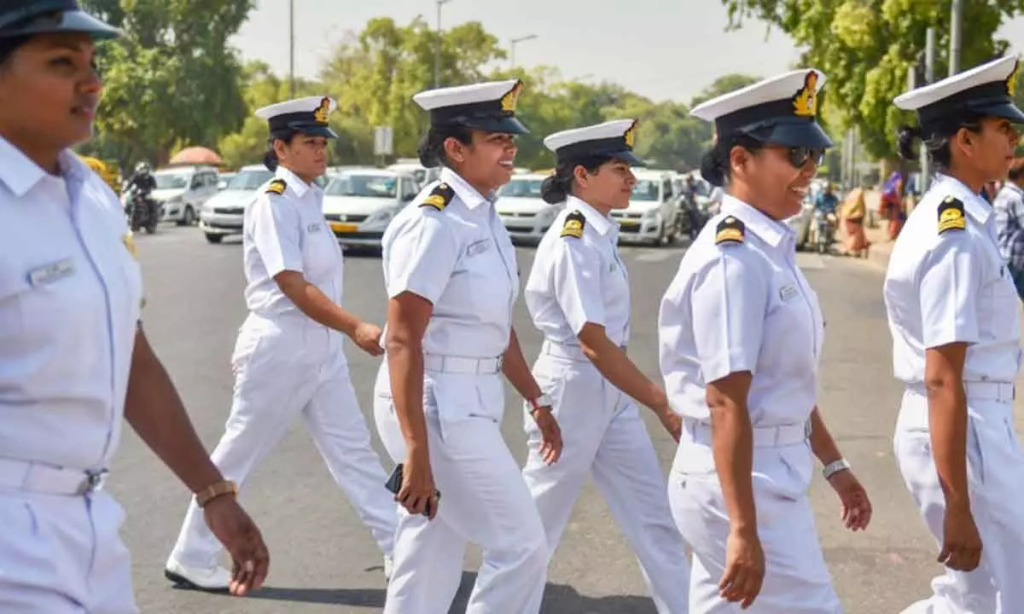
(796, 134)
(314, 130)
(497, 125)
(628, 157)
(70, 21)
(1006, 110)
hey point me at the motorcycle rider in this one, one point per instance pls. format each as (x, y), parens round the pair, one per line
(825, 204)
(142, 183)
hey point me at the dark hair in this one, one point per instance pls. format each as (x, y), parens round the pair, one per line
(10, 44)
(558, 186)
(270, 158)
(714, 165)
(938, 139)
(431, 149)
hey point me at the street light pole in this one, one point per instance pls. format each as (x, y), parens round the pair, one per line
(437, 45)
(291, 46)
(956, 19)
(513, 46)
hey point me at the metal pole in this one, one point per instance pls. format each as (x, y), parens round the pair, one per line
(437, 45)
(513, 54)
(929, 77)
(291, 46)
(956, 18)
(513, 42)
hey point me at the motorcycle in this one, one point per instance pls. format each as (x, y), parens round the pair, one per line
(824, 231)
(142, 211)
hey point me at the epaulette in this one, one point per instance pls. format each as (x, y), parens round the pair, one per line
(439, 197)
(951, 215)
(573, 226)
(730, 230)
(277, 186)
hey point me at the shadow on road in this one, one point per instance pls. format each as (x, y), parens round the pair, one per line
(564, 599)
(362, 597)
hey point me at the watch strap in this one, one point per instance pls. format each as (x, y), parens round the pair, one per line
(835, 467)
(217, 489)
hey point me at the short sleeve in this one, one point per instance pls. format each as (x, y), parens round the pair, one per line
(277, 234)
(421, 256)
(576, 272)
(729, 302)
(950, 280)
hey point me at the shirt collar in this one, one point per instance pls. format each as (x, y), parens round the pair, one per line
(466, 193)
(973, 203)
(293, 181)
(19, 173)
(770, 231)
(1013, 187)
(602, 224)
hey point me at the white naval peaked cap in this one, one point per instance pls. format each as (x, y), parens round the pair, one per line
(614, 139)
(780, 109)
(490, 106)
(306, 115)
(983, 90)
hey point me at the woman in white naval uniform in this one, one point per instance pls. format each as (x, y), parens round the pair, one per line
(452, 282)
(953, 316)
(578, 296)
(740, 338)
(288, 360)
(75, 363)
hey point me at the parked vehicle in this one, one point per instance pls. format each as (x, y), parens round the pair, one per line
(651, 215)
(525, 215)
(222, 215)
(182, 190)
(359, 204)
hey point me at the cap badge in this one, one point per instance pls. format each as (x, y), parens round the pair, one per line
(320, 115)
(805, 103)
(630, 136)
(511, 99)
(1011, 81)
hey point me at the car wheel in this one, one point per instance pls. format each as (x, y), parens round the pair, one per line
(214, 238)
(188, 218)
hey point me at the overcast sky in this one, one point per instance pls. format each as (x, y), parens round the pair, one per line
(663, 49)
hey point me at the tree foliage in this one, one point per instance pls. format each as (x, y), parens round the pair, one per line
(866, 49)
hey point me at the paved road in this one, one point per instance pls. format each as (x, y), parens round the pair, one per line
(325, 561)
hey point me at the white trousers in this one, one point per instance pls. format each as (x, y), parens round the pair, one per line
(604, 436)
(276, 380)
(996, 486)
(483, 500)
(796, 578)
(63, 555)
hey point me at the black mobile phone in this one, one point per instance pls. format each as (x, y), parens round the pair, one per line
(394, 484)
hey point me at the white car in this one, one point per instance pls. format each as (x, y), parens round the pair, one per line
(222, 215)
(422, 174)
(359, 204)
(652, 211)
(525, 215)
(182, 191)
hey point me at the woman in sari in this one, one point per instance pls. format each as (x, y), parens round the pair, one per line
(853, 212)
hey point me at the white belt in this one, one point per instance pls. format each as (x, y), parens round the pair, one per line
(47, 479)
(461, 364)
(566, 351)
(978, 391)
(764, 436)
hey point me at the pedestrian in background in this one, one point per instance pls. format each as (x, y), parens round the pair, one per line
(1009, 211)
(578, 296)
(740, 335)
(452, 282)
(75, 363)
(288, 359)
(952, 310)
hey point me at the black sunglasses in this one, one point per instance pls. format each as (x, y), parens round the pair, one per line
(798, 156)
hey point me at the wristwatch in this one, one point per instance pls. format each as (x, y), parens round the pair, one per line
(835, 467)
(542, 401)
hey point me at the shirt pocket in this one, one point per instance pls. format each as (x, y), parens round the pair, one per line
(457, 399)
(789, 336)
(480, 281)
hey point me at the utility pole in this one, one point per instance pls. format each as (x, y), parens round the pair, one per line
(513, 43)
(437, 45)
(291, 46)
(956, 19)
(929, 77)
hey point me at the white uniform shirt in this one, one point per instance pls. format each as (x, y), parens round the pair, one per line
(952, 287)
(742, 307)
(288, 232)
(579, 280)
(70, 293)
(461, 260)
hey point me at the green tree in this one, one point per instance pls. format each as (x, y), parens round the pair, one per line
(866, 48)
(171, 80)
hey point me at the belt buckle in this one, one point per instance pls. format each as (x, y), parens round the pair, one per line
(93, 481)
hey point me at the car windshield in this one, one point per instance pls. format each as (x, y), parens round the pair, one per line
(645, 190)
(171, 181)
(521, 188)
(249, 180)
(368, 186)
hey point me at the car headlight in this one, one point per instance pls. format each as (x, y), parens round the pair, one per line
(652, 214)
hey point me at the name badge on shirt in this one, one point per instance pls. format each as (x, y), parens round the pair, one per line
(47, 274)
(788, 292)
(313, 227)
(478, 247)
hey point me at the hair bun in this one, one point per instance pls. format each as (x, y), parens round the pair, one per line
(270, 160)
(711, 169)
(554, 190)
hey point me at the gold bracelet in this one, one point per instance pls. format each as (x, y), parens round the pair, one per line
(211, 492)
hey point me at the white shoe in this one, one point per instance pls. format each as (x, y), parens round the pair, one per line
(389, 565)
(212, 579)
